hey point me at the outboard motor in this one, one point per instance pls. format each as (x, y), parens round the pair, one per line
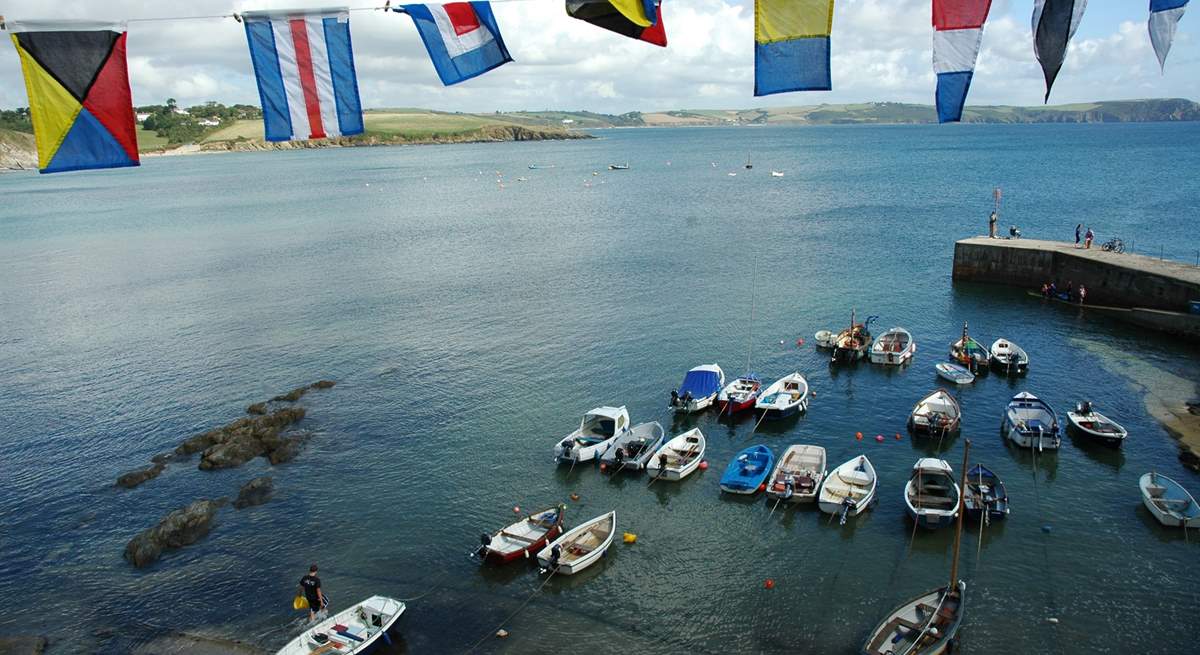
(1085, 407)
(687, 398)
(674, 398)
(485, 540)
(555, 554)
(564, 448)
(619, 455)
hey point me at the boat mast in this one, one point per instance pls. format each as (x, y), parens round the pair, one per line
(962, 490)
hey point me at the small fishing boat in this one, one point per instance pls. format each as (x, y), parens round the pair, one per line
(954, 373)
(1029, 422)
(529, 535)
(786, 396)
(1094, 425)
(536, 167)
(935, 414)
(776, 173)
(893, 348)
(850, 489)
(986, 498)
(853, 343)
(931, 497)
(1168, 501)
(355, 630)
(969, 352)
(699, 389)
(739, 395)
(824, 338)
(631, 451)
(798, 475)
(748, 470)
(580, 547)
(678, 457)
(618, 167)
(596, 432)
(927, 624)
(1009, 357)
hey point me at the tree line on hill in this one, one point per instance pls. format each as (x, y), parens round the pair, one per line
(178, 125)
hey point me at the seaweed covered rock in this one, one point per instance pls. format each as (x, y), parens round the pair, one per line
(134, 478)
(257, 408)
(255, 492)
(243, 440)
(288, 448)
(322, 384)
(180, 528)
(291, 396)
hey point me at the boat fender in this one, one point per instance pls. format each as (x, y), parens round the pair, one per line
(800, 342)
(762, 487)
(629, 538)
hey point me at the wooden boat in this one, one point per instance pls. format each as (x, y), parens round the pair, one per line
(986, 498)
(954, 373)
(748, 470)
(1087, 421)
(618, 167)
(931, 497)
(798, 474)
(529, 535)
(893, 348)
(739, 395)
(927, 624)
(786, 396)
(1029, 422)
(678, 457)
(853, 343)
(598, 429)
(355, 630)
(1168, 501)
(969, 352)
(935, 414)
(631, 451)
(824, 338)
(1008, 357)
(580, 547)
(699, 389)
(850, 489)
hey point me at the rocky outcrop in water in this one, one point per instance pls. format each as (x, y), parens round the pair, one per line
(134, 478)
(180, 528)
(25, 645)
(255, 492)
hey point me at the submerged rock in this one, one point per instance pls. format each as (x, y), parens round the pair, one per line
(322, 384)
(291, 396)
(180, 528)
(257, 408)
(255, 492)
(134, 478)
(24, 645)
(243, 440)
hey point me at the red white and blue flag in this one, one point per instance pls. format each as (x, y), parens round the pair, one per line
(957, 35)
(304, 64)
(462, 38)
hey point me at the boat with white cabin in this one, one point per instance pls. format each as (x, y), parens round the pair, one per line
(798, 474)
(1009, 357)
(935, 414)
(893, 348)
(850, 489)
(931, 496)
(631, 450)
(1030, 422)
(786, 396)
(1092, 424)
(352, 631)
(679, 457)
(1168, 501)
(579, 547)
(699, 389)
(598, 429)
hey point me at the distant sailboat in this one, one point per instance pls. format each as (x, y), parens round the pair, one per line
(748, 164)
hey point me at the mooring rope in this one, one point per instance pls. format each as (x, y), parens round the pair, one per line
(515, 612)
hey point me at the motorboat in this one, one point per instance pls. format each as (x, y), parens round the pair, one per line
(893, 348)
(699, 389)
(618, 167)
(1008, 357)
(853, 343)
(631, 450)
(520, 539)
(355, 630)
(579, 547)
(969, 352)
(598, 429)
(1087, 421)
(935, 414)
(786, 396)
(748, 470)
(849, 489)
(955, 373)
(1030, 422)
(739, 395)
(678, 458)
(986, 497)
(798, 474)
(931, 497)
(1168, 501)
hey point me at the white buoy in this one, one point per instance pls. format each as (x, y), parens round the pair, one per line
(1052, 621)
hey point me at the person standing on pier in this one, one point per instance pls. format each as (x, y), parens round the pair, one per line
(1087, 238)
(310, 585)
(992, 226)
(1078, 229)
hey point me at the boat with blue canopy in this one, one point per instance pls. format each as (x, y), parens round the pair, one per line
(699, 389)
(747, 472)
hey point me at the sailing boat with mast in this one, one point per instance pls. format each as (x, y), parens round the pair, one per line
(970, 353)
(929, 623)
(742, 393)
(853, 343)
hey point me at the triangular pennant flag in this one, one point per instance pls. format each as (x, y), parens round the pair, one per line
(1164, 18)
(1054, 23)
(957, 35)
(625, 17)
(462, 38)
(791, 45)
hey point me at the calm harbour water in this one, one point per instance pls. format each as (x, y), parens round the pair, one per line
(469, 326)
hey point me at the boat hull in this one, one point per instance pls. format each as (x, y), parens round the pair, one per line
(735, 406)
(576, 565)
(883, 642)
(1078, 424)
(777, 413)
(930, 520)
(1034, 441)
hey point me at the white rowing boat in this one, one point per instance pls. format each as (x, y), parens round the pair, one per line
(849, 489)
(798, 474)
(678, 457)
(352, 631)
(581, 547)
(1168, 501)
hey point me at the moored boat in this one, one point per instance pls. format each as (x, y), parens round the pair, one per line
(786, 396)
(579, 547)
(678, 458)
(1092, 424)
(969, 352)
(1008, 357)
(618, 167)
(955, 373)
(935, 414)
(699, 389)
(355, 630)
(931, 497)
(1168, 501)
(631, 451)
(986, 497)
(853, 343)
(739, 395)
(849, 489)
(1030, 422)
(798, 474)
(596, 432)
(749, 468)
(518, 540)
(825, 338)
(893, 348)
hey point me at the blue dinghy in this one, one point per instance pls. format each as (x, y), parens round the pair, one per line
(748, 470)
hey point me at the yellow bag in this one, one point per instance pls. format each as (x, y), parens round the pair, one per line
(300, 602)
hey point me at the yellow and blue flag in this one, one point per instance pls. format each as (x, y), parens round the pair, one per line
(791, 45)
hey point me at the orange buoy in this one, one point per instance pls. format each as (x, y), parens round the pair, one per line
(769, 584)
(897, 436)
(574, 496)
(858, 435)
(704, 465)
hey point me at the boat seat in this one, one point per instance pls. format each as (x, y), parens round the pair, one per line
(1155, 490)
(518, 537)
(934, 502)
(901, 621)
(855, 477)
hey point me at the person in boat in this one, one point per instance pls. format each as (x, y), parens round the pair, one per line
(310, 586)
(992, 225)
(1053, 290)
(1045, 289)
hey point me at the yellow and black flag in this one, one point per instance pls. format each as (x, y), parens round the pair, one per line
(79, 99)
(636, 19)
